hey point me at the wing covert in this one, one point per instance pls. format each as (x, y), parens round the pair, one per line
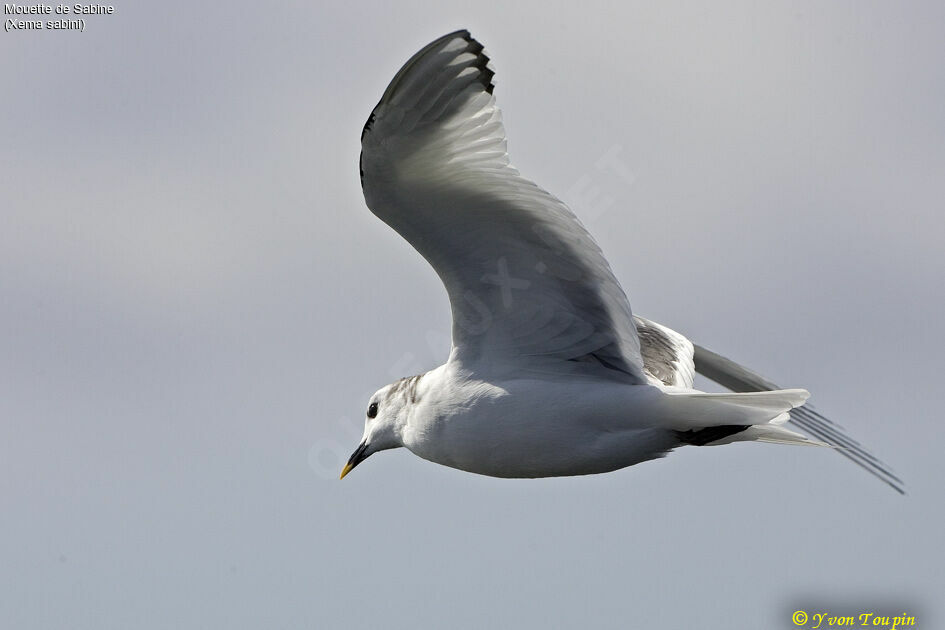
(667, 355)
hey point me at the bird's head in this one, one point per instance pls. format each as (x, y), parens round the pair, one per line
(385, 419)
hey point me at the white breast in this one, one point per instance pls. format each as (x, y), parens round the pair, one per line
(523, 427)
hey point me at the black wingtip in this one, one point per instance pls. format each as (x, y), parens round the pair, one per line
(472, 46)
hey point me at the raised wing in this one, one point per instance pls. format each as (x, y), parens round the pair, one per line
(527, 284)
(667, 355)
(737, 378)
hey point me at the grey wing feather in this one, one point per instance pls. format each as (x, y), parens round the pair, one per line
(737, 378)
(667, 355)
(527, 284)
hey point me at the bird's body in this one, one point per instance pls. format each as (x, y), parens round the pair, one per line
(516, 426)
(550, 373)
(533, 423)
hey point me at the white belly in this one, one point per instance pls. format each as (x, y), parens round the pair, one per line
(523, 428)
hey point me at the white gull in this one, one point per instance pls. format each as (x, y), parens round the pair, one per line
(550, 373)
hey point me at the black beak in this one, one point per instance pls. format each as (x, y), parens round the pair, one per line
(358, 456)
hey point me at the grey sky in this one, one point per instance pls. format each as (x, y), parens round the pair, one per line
(196, 305)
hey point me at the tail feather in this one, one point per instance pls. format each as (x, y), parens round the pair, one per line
(692, 409)
(705, 419)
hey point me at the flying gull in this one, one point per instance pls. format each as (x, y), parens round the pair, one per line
(550, 373)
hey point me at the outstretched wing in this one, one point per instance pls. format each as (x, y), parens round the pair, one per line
(526, 281)
(740, 379)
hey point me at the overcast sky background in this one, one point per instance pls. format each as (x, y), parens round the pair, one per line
(195, 305)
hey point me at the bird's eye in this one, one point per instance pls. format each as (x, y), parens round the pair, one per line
(372, 410)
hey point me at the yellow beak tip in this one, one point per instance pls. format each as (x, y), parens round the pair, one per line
(345, 471)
